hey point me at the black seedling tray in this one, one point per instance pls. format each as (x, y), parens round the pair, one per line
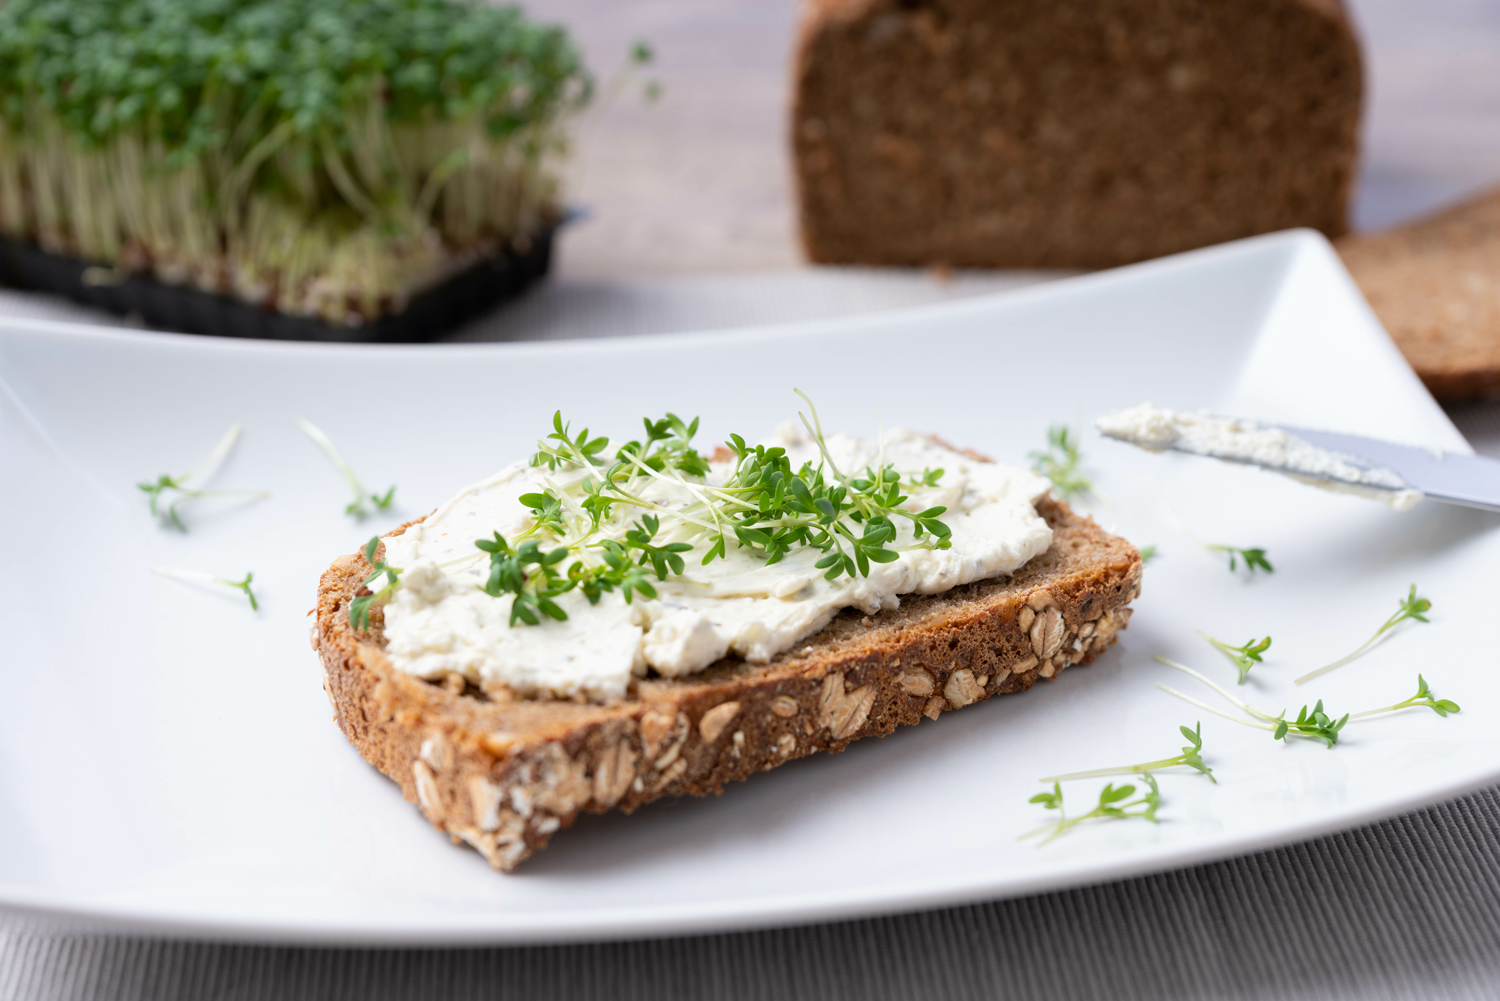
(175, 307)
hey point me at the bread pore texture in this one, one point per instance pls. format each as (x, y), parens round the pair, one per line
(505, 774)
(1068, 133)
(1435, 284)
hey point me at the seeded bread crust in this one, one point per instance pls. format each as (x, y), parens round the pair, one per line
(1435, 284)
(505, 775)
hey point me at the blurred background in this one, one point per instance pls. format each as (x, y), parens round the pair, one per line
(687, 212)
(700, 182)
(689, 200)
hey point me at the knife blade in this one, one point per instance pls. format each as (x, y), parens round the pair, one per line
(1367, 466)
(1450, 477)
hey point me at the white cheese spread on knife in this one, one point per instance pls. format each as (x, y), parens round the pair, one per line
(1237, 440)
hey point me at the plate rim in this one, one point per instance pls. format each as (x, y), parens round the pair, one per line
(500, 927)
(627, 925)
(1290, 241)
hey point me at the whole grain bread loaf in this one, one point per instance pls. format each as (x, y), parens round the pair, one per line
(504, 776)
(1435, 284)
(1068, 133)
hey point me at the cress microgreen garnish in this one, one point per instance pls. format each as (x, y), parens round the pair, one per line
(1254, 559)
(194, 575)
(534, 591)
(595, 518)
(763, 504)
(1412, 607)
(1423, 698)
(1243, 657)
(1061, 463)
(356, 507)
(1191, 756)
(1314, 724)
(1148, 553)
(1112, 806)
(359, 608)
(167, 492)
(930, 478)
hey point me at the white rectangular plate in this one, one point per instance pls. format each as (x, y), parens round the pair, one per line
(167, 762)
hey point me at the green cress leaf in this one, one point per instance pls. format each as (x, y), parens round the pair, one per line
(1112, 805)
(242, 586)
(1191, 757)
(364, 597)
(1314, 723)
(1423, 698)
(763, 504)
(356, 507)
(167, 493)
(1254, 559)
(1243, 657)
(1412, 607)
(1061, 463)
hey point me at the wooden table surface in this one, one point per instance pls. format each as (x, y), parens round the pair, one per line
(698, 183)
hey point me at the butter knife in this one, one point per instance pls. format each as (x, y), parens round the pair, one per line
(1399, 475)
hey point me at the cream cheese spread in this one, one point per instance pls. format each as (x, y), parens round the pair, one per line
(1236, 440)
(439, 621)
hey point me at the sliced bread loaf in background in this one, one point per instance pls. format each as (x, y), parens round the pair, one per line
(1435, 284)
(1068, 133)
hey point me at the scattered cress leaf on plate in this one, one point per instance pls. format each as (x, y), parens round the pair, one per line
(1112, 805)
(167, 492)
(1412, 607)
(1191, 756)
(197, 576)
(1243, 657)
(1423, 698)
(356, 507)
(1314, 723)
(1254, 559)
(1061, 463)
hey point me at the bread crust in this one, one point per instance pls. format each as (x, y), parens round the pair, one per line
(504, 776)
(1433, 284)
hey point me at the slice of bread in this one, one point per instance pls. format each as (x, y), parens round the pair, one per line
(1435, 284)
(505, 775)
(1067, 134)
